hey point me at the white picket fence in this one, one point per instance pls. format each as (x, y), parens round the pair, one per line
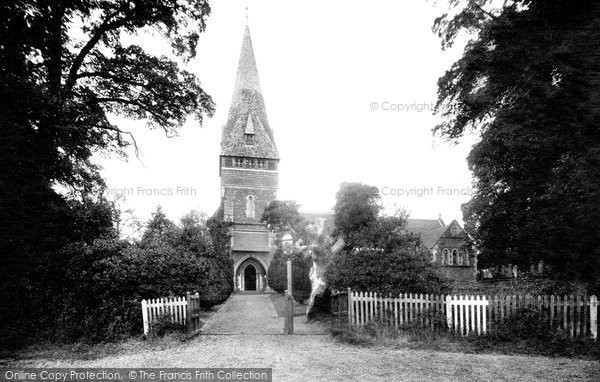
(576, 315)
(180, 310)
(467, 314)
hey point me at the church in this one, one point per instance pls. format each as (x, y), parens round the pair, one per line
(249, 177)
(248, 168)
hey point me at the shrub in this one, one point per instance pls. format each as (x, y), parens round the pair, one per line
(277, 275)
(163, 326)
(523, 325)
(92, 291)
(404, 270)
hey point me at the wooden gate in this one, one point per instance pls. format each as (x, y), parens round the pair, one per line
(339, 310)
(193, 317)
(178, 310)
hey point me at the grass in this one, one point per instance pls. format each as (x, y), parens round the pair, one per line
(82, 351)
(441, 340)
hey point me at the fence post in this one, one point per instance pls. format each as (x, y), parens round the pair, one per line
(350, 309)
(145, 316)
(449, 311)
(594, 317)
(188, 317)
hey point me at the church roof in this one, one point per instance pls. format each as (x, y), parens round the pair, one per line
(247, 114)
(423, 226)
(429, 239)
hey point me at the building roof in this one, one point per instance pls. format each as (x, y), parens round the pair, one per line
(247, 113)
(423, 226)
(429, 239)
(430, 230)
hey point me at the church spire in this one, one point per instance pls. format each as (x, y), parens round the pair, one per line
(247, 74)
(247, 133)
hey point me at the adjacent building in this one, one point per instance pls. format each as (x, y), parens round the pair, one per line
(449, 244)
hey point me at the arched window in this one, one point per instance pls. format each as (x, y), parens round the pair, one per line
(445, 256)
(250, 206)
(456, 257)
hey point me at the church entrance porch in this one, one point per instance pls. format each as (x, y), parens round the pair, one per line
(250, 275)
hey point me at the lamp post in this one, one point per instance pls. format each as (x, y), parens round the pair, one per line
(288, 245)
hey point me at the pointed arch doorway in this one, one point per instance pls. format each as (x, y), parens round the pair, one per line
(251, 275)
(250, 278)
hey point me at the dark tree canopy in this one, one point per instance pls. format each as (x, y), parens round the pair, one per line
(281, 215)
(528, 83)
(63, 70)
(357, 206)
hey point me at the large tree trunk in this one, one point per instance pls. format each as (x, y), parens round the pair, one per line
(320, 259)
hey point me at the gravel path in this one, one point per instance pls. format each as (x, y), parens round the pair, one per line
(321, 358)
(254, 314)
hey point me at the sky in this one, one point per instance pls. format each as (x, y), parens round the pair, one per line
(349, 91)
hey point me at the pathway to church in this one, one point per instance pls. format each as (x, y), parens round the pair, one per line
(254, 314)
(246, 332)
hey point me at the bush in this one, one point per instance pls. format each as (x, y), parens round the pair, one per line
(163, 326)
(92, 291)
(526, 324)
(277, 275)
(404, 270)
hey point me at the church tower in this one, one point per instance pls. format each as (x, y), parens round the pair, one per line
(249, 176)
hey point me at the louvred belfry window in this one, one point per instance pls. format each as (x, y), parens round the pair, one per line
(249, 133)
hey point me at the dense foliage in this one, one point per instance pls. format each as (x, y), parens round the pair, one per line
(356, 206)
(528, 84)
(277, 274)
(281, 217)
(404, 270)
(92, 291)
(64, 69)
(379, 255)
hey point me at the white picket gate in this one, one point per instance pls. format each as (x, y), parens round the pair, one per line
(173, 307)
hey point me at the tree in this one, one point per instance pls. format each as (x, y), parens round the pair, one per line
(385, 232)
(281, 217)
(277, 274)
(527, 82)
(160, 229)
(63, 70)
(357, 206)
(206, 243)
(378, 256)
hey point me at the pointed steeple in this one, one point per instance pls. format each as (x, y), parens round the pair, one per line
(247, 114)
(247, 75)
